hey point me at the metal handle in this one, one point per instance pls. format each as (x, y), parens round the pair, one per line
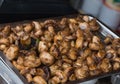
(8, 74)
(115, 79)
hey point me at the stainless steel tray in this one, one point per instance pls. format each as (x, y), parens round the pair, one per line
(12, 76)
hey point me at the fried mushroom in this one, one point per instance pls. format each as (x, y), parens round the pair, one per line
(6, 30)
(46, 58)
(90, 60)
(105, 65)
(81, 73)
(12, 52)
(31, 60)
(94, 46)
(39, 80)
(94, 26)
(29, 77)
(72, 54)
(38, 29)
(101, 54)
(79, 42)
(61, 75)
(42, 46)
(4, 41)
(25, 40)
(28, 27)
(116, 66)
(54, 80)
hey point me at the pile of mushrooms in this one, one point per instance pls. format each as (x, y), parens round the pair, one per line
(58, 51)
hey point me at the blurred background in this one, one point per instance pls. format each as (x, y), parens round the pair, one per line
(108, 11)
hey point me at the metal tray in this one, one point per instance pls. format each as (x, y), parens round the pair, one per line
(12, 76)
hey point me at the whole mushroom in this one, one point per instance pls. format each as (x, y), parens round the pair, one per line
(12, 52)
(42, 46)
(39, 80)
(46, 58)
(31, 60)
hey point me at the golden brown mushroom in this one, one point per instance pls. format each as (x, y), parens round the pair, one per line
(6, 30)
(108, 40)
(96, 39)
(118, 51)
(12, 52)
(40, 72)
(53, 69)
(86, 18)
(66, 65)
(101, 54)
(25, 40)
(90, 60)
(57, 37)
(111, 53)
(46, 58)
(3, 47)
(72, 54)
(18, 66)
(39, 80)
(116, 43)
(79, 42)
(32, 71)
(51, 29)
(68, 71)
(55, 51)
(72, 77)
(4, 41)
(54, 80)
(94, 26)
(94, 46)
(61, 75)
(95, 72)
(93, 67)
(32, 60)
(12, 38)
(42, 46)
(63, 23)
(87, 52)
(79, 33)
(105, 65)
(29, 77)
(48, 36)
(24, 70)
(20, 60)
(81, 73)
(18, 28)
(38, 29)
(80, 62)
(28, 27)
(20, 34)
(116, 59)
(116, 66)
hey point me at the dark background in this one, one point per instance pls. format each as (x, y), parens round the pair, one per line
(17, 10)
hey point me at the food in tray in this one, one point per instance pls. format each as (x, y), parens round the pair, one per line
(59, 50)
